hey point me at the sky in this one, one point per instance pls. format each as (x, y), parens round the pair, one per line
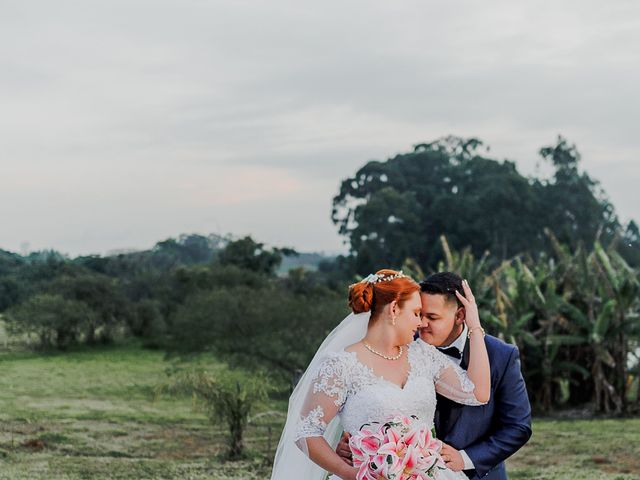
(123, 123)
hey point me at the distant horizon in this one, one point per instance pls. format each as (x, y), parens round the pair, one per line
(126, 250)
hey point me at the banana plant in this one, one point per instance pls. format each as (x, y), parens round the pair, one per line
(574, 315)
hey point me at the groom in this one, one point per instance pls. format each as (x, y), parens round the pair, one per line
(477, 439)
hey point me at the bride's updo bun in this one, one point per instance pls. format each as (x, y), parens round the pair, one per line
(378, 290)
(361, 297)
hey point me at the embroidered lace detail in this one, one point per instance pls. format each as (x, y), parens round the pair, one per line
(347, 388)
(331, 379)
(466, 385)
(312, 424)
(360, 396)
(450, 380)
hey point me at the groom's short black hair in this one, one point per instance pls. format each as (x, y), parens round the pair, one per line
(443, 283)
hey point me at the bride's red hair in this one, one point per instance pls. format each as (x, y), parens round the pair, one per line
(365, 297)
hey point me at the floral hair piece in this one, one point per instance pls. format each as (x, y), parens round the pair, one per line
(375, 278)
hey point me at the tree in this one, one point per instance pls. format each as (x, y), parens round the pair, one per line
(273, 326)
(573, 314)
(389, 210)
(100, 293)
(186, 250)
(629, 244)
(11, 292)
(148, 322)
(228, 396)
(56, 321)
(576, 208)
(605, 312)
(251, 255)
(164, 256)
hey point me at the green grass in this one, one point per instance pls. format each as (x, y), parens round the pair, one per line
(92, 415)
(580, 450)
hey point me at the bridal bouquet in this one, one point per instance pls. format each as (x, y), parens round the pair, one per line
(400, 449)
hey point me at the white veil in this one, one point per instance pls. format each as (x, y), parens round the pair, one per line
(290, 463)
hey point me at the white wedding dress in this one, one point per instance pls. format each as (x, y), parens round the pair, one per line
(344, 386)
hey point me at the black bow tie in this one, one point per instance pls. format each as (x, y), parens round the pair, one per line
(452, 352)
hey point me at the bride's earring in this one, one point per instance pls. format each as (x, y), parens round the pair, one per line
(393, 321)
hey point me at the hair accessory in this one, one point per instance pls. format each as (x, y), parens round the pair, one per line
(371, 278)
(375, 278)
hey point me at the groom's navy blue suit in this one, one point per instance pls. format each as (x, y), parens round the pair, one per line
(489, 433)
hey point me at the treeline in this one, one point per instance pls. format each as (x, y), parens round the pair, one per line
(190, 294)
(574, 314)
(59, 302)
(556, 276)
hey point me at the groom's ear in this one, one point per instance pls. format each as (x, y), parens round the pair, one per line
(460, 315)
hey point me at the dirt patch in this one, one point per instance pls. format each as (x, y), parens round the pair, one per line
(181, 444)
(617, 464)
(34, 444)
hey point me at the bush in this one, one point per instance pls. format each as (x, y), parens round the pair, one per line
(56, 321)
(270, 326)
(148, 322)
(227, 396)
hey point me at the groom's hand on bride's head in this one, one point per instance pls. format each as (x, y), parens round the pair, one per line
(343, 449)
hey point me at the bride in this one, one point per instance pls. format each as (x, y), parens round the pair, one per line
(370, 368)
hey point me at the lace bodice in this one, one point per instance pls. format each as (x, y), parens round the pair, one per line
(346, 387)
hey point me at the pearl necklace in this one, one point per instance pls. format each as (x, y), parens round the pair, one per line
(374, 351)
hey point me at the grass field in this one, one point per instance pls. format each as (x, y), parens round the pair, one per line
(92, 415)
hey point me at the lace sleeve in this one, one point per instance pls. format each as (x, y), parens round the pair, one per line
(325, 398)
(450, 380)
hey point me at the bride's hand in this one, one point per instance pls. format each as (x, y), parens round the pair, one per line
(472, 318)
(344, 450)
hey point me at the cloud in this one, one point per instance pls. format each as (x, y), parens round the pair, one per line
(126, 122)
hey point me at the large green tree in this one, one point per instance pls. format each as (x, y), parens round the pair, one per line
(248, 254)
(398, 208)
(574, 206)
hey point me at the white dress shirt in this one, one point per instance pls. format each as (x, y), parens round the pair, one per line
(459, 343)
